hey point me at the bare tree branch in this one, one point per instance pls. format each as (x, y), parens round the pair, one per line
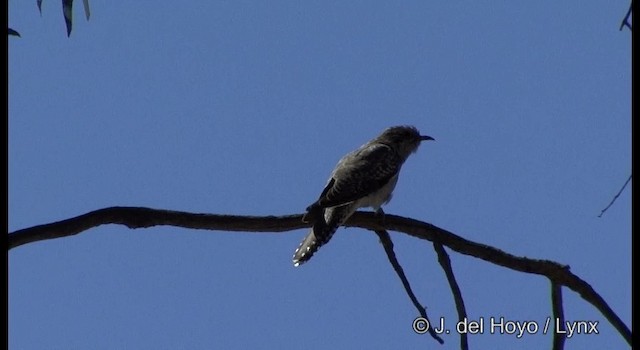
(445, 262)
(625, 20)
(385, 239)
(139, 217)
(615, 197)
(558, 315)
(136, 217)
(554, 271)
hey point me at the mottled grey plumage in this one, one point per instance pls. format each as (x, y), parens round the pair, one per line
(363, 178)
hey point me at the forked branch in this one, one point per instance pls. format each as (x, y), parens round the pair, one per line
(137, 217)
(625, 20)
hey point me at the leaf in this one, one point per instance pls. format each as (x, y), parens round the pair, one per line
(87, 12)
(67, 10)
(13, 32)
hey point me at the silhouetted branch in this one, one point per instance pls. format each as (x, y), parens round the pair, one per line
(559, 335)
(139, 217)
(445, 262)
(615, 197)
(554, 271)
(385, 239)
(136, 217)
(625, 20)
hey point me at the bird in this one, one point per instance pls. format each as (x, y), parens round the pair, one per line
(363, 178)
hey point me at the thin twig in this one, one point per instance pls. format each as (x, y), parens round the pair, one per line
(445, 262)
(385, 239)
(625, 21)
(559, 335)
(615, 197)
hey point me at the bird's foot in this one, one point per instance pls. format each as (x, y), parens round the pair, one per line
(313, 213)
(381, 217)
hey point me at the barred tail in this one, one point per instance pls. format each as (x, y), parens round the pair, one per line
(321, 232)
(318, 236)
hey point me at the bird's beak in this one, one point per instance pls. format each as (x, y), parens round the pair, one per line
(426, 138)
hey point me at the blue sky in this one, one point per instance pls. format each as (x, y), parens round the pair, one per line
(239, 107)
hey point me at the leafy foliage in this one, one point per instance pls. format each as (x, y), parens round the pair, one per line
(67, 11)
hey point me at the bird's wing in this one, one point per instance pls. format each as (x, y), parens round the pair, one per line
(359, 174)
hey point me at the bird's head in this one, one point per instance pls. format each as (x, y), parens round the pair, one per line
(404, 139)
